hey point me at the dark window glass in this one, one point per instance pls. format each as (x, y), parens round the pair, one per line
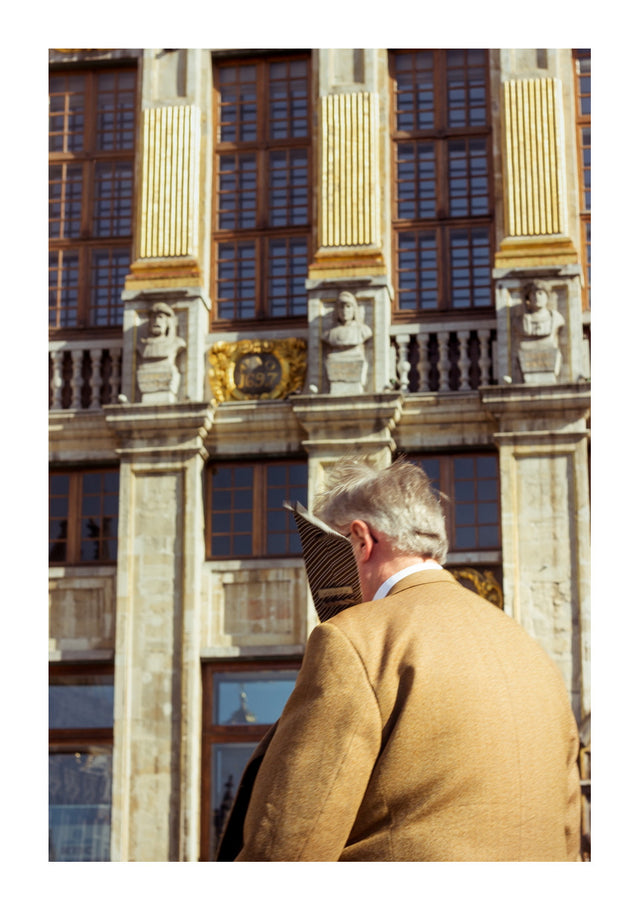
(83, 516)
(246, 516)
(262, 218)
(240, 702)
(91, 154)
(472, 499)
(80, 763)
(442, 206)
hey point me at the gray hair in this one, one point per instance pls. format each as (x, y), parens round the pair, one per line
(398, 501)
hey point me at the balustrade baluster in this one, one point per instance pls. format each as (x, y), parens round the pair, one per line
(403, 361)
(423, 361)
(56, 379)
(76, 379)
(484, 360)
(444, 363)
(464, 362)
(114, 380)
(96, 362)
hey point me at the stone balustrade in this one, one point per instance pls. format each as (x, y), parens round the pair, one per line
(445, 357)
(83, 375)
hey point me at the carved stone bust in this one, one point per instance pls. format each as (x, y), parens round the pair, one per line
(158, 373)
(345, 361)
(539, 353)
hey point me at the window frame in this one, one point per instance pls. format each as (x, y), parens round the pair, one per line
(74, 516)
(260, 234)
(259, 509)
(74, 740)
(88, 243)
(213, 734)
(441, 222)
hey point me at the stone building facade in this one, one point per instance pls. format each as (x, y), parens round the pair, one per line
(261, 261)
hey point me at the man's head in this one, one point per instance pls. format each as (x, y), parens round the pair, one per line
(397, 504)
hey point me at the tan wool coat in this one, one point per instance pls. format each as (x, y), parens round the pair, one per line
(425, 726)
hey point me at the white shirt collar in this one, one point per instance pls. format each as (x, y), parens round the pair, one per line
(386, 587)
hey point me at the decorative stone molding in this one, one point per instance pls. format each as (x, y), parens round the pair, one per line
(257, 368)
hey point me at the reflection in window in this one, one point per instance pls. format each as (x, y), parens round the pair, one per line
(80, 762)
(83, 516)
(241, 702)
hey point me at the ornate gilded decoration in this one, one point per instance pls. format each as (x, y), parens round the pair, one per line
(257, 369)
(481, 581)
(168, 198)
(534, 175)
(349, 182)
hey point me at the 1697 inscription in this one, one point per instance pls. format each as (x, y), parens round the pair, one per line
(256, 374)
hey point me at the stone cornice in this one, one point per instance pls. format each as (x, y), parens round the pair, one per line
(353, 422)
(169, 432)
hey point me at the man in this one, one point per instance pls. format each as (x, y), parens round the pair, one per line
(425, 724)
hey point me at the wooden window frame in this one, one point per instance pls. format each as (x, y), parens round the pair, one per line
(441, 135)
(259, 510)
(75, 740)
(90, 241)
(213, 734)
(74, 517)
(446, 485)
(262, 232)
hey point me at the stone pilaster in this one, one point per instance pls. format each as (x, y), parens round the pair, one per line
(157, 706)
(544, 472)
(336, 426)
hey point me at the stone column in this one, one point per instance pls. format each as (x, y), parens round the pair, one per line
(336, 426)
(173, 214)
(157, 703)
(544, 474)
(352, 254)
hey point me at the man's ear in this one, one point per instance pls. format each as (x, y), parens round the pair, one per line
(361, 539)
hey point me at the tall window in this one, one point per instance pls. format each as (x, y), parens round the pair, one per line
(80, 751)
(245, 515)
(262, 185)
(472, 500)
(240, 702)
(83, 516)
(582, 63)
(91, 153)
(442, 203)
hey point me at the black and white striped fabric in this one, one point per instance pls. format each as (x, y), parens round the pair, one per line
(331, 567)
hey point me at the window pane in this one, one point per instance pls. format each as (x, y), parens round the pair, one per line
(287, 266)
(228, 762)
(466, 88)
(80, 805)
(66, 113)
(288, 188)
(470, 258)
(415, 93)
(416, 175)
(468, 178)
(113, 199)
(417, 271)
(98, 518)
(115, 118)
(109, 269)
(237, 191)
(65, 201)
(288, 99)
(231, 515)
(236, 287)
(63, 288)
(284, 485)
(251, 697)
(81, 701)
(238, 104)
